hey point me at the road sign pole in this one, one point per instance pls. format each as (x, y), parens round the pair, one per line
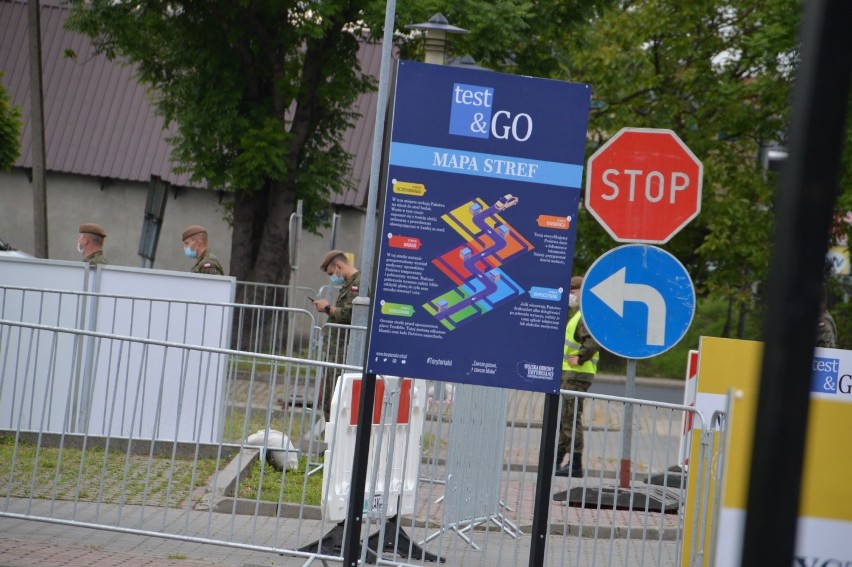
(627, 425)
(352, 551)
(638, 301)
(541, 524)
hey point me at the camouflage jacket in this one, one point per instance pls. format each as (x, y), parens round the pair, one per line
(95, 258)
(343, 306)
(826, 331)
(208, 264)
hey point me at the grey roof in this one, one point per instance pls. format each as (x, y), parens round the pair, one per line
(99, 120)
(358, 140)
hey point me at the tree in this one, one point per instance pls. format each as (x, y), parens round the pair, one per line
(10, 129)
(261, 91)
(719, 73)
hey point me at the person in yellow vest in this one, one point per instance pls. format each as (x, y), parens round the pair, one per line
(580, 355)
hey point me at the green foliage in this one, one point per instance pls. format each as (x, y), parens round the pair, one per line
(840, 307)
(718, 73)
(709, 321)
(260, 92)
(10, 129)
(516, 36)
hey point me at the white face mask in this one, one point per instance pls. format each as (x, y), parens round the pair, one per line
(573, 300)
(79, 246)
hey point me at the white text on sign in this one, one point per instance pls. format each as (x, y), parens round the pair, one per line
(655, 184)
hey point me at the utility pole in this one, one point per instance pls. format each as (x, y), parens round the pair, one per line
(39, 158)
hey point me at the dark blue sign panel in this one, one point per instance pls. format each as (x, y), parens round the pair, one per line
(478, 234)
(637, 301)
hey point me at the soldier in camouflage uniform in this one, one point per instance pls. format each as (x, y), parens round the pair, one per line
(195, 246)
(826, 329)
(90, 243)
(344, 274)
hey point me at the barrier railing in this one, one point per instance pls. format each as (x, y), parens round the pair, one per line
(190, 439)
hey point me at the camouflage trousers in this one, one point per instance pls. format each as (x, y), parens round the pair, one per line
(336, 352)
(571, 424)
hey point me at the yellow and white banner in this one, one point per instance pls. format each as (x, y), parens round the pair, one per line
(825, 515)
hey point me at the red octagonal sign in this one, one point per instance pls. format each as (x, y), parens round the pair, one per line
(644, 185)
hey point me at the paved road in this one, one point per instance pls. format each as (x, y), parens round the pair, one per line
(654, 389)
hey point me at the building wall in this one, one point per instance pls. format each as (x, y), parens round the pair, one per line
(120, 209)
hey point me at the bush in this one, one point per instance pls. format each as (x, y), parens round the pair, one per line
(709, 321)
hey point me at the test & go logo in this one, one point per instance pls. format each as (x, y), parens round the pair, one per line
(472, 114)
(825, 374)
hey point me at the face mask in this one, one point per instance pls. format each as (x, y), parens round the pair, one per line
(335, 279)
(572, 300)
(189, 252)
(79, 247)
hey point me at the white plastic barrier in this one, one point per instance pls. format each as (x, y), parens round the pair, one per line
(689, 393)
(398, 439)
(61, 379)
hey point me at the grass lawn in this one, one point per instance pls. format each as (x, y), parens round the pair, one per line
(115, 477)
(281, 486)
(96, 475)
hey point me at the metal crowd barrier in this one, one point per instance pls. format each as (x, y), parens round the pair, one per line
(476, 468)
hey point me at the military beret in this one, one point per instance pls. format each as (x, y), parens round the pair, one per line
(192, 231)
(576, 282)
(329, 256)
(92, 228)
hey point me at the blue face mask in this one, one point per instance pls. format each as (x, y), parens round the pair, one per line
(335, 279)
(189, 252)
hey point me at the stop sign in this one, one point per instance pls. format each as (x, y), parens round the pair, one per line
(644, 185)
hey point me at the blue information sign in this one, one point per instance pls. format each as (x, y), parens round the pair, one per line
(637, 301)
(478, 233)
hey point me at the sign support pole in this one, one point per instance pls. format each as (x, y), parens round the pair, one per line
(352, 537)
(807, 194)
(539, 534)
(627, 425)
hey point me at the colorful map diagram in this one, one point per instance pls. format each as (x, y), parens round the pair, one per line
(476, 265)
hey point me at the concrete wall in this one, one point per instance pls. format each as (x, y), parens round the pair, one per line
(120, 209)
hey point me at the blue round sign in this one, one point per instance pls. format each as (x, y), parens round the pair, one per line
(637, 301)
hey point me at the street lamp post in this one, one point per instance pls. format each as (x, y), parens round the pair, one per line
(436, 30)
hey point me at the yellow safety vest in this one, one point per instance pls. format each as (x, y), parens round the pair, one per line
(572, 348)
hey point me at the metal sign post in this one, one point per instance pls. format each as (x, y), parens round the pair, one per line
(644, 185)
(638, 301)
